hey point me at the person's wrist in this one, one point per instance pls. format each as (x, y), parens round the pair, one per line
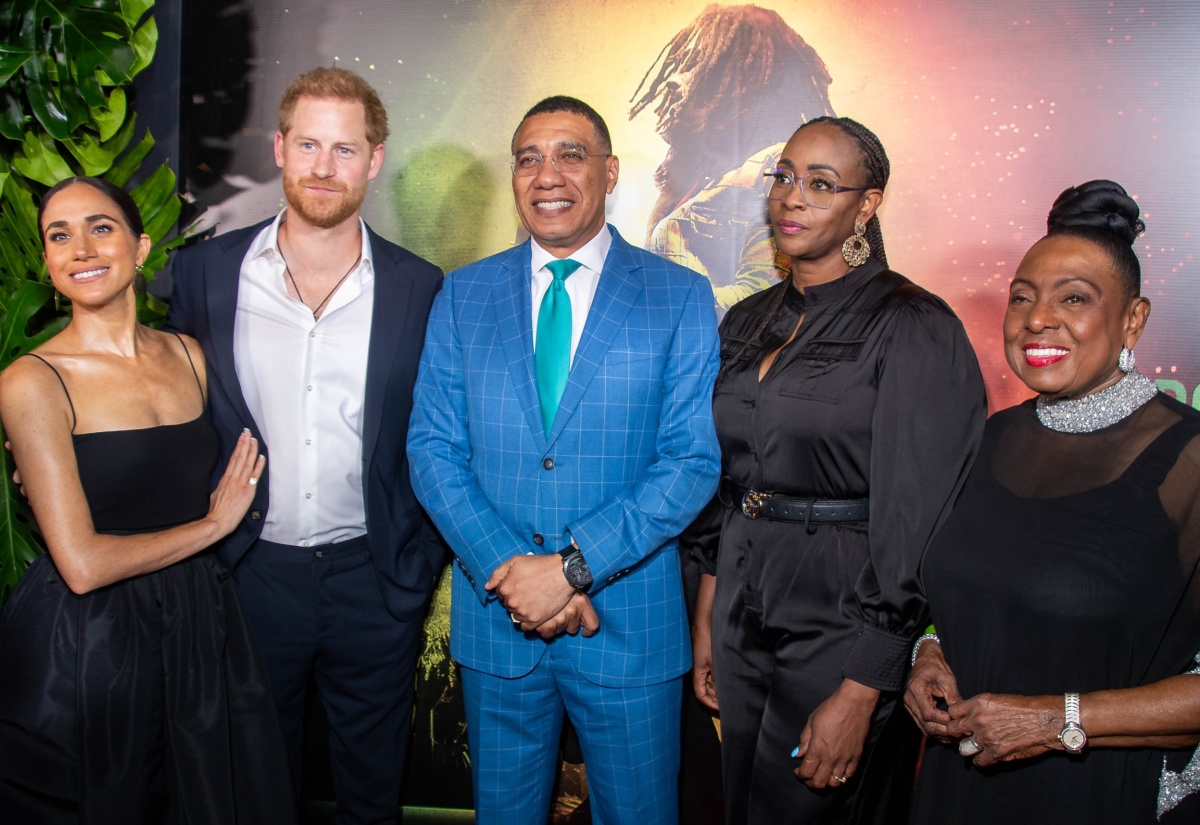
(858, 693)
(927, 642)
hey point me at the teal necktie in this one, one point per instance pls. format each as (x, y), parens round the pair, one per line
(553, 353)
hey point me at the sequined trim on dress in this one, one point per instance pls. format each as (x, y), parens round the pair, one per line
(1175, 786)
(1098, 410)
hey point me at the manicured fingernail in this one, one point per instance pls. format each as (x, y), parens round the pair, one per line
(795, 751)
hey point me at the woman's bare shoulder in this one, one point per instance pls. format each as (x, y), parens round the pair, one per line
(31, 387)
(28, 373)
(172, 340)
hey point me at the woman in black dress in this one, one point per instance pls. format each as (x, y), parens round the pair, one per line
(848, 407)
(1064, 584)
(130, 688)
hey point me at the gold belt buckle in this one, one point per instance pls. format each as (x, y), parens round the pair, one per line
(752, 503)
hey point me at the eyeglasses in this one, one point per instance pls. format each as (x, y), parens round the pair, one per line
(566, 161)
(816, 188)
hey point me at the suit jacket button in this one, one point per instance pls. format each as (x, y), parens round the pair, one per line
(256, 515)
(547, 463)
(539, 539)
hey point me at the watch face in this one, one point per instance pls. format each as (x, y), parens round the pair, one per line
(1073, 739)
(577, 571)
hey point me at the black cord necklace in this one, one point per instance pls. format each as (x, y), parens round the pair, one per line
(317, 311)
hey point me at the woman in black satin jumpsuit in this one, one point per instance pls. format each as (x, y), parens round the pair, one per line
(848, 407)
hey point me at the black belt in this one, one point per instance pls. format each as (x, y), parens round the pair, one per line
(776, 507)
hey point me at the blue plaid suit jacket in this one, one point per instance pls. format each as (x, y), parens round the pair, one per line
(631, 458)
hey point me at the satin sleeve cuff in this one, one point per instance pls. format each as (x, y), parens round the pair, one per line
(706, 565)
(879, 659)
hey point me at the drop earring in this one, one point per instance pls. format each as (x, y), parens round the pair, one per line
(1126, 360)
(856, 250)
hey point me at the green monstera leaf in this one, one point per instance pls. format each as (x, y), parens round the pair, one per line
(20, 247)
(60, 53)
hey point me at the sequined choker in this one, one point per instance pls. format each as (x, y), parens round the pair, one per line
(1098, 410)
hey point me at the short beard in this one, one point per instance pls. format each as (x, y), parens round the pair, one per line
(334, 213)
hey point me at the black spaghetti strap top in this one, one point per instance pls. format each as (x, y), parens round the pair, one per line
(149, 479)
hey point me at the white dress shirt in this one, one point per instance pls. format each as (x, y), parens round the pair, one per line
(581, 284)
(304, 380)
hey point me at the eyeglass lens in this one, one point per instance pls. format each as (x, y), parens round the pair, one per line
(816, 188)
(564, 160)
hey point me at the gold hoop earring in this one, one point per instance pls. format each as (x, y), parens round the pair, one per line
(856, 250)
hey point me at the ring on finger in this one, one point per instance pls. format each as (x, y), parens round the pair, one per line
(514, 618)
(841, 779)
(252, 481)
(969, 747)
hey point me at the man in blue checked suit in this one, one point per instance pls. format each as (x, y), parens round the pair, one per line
(561, 438)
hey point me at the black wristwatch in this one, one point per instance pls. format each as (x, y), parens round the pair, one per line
(578, 574)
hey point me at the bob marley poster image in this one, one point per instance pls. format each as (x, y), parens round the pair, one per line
(987, 112)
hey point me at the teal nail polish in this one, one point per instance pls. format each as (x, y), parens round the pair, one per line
(795, 751)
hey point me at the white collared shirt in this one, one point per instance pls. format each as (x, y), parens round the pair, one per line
(304, 381)
(581, 285)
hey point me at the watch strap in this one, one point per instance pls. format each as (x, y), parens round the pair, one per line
(1070, 709)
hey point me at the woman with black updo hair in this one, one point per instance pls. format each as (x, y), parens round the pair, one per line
(1063, 682)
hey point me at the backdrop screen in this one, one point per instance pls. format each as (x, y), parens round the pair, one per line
(987, 111)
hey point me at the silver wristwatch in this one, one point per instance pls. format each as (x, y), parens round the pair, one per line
(1072, 735)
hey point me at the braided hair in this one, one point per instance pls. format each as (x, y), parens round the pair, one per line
(874, 162)
(1101, 212)
(738, 56)
(740, 62)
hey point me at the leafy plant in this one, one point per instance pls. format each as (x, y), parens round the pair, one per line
(64, 111)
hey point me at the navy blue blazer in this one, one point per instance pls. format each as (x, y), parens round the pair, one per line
(406, 551)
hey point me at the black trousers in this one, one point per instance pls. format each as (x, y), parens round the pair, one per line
(784, 621)
(317, 612)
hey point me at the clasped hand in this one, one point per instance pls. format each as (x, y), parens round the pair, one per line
(831, 743)
(1005, 727)
(539, 598)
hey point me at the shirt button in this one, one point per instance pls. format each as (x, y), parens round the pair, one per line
(308, 441)
(304, 544)
(308, 495)
(309, 388)
(547, 463)
(312, 335)
(539, 539)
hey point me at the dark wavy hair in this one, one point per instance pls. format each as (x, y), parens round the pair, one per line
(123, 200)
(874, 162)
(1101, 212)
